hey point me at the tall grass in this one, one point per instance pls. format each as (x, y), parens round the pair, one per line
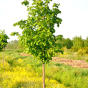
(22, 72)
(26, 72)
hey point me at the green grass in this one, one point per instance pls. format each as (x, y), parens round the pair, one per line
(68, 54)
(22, 72)
(27, 73)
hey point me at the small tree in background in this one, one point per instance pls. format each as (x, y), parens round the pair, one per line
(38, 30)
(86, 42)
(3, 40)
(78, 43)
(60, 42)
(68, 43)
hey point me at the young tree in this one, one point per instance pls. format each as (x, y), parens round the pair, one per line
(86, 42)
(38, 30)
(3, 40)
(78, 43)
(60, 42)
(68, 43)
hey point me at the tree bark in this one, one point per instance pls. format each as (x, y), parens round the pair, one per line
(43, 70)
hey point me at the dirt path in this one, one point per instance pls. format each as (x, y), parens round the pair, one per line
(73, 63)
(24, 54)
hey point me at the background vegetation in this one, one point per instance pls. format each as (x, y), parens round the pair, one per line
(77, 44)
(3, 39)
(24, 71)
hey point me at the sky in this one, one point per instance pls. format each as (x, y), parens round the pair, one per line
(74, 15)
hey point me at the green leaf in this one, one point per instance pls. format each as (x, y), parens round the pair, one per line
(38, 29)
(25, 2)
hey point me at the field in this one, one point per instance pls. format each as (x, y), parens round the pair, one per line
(20, 70)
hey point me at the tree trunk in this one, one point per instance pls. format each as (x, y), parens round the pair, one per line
(43, 70)
(3, 57)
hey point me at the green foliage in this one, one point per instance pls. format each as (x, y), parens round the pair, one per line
(38, 28)
(15, 44)
(3, 40)
(77, 43)
(68, 43)
(21, 73)
(60, 41)
(14, 33)
(83, 51)
(86, 42)
(71, 77)
(25, 72)
(25, 2)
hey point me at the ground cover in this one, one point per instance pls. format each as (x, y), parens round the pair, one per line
(17, 71)
(23, 71)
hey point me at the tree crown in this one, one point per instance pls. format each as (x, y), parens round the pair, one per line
(38, 28)
(3, 39)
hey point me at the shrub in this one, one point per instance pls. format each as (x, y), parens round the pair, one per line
(83, 51)
(77, 43)
(3, 40)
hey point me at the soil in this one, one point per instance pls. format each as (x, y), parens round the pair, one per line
(24, 54)
(73, 63)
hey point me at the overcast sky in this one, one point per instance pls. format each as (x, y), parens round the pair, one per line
(74, 15)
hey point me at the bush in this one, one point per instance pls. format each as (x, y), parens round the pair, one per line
(68, 43)
(78, 43)
(3, 40)
(83, 51)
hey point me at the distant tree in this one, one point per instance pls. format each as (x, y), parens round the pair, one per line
(59, 37)
(86, 42)
(60, 41)
(15, 45)
(68, 43)
(77, 43)
(38, 30)
(3, 40)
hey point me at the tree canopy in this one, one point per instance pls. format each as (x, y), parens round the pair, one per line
(3, 40)
(78, 43)
(38, 28)
(68, 43)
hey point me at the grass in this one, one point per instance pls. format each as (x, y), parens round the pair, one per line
(68, 54)
(21, 72)
(26, 72)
